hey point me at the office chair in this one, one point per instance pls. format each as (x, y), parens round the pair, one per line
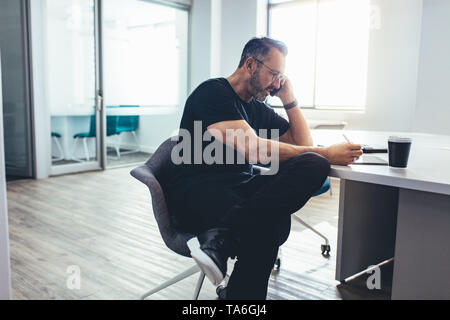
(56, 136)
(329, 125)
(127, 124)
(325, 248)
(111, 125)
(154, 174)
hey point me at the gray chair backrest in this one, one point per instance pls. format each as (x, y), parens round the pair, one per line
(154, 174)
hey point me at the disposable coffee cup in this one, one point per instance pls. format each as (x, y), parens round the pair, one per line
(399, 148)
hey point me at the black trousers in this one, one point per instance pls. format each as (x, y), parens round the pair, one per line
(258, 211)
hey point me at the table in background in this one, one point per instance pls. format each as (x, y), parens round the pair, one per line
(70, 121)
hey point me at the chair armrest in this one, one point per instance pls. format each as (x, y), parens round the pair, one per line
(143, 174)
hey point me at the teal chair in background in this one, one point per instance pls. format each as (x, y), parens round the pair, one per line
(127, 124)
(115, 126)
(55, 137)
(325, 248)
(111, 125)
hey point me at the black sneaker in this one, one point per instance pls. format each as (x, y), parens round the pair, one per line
(211, 251)
(221, 292)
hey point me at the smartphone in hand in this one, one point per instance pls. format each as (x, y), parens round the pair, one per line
(275, 91)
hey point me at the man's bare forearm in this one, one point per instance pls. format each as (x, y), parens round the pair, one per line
(285, 150)
(300, 133)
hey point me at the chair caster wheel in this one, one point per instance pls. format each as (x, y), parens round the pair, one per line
(325, 249)
(277, 264)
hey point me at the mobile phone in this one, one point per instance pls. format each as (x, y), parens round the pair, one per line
(373, 149)
(275, 91)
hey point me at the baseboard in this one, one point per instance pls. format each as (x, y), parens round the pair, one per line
(146, 149)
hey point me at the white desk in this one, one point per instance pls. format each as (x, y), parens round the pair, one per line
(386, 212)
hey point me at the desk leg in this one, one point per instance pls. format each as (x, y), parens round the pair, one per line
(366, 227)
(422, 254)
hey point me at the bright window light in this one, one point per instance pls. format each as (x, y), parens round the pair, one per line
(328, 50)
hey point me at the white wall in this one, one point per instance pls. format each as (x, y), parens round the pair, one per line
(432, 113)
(220, 29)
(5, 281)
(41, 110)
(241, 20)
(205, 41)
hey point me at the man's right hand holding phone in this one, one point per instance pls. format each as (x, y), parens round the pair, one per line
(343, 153)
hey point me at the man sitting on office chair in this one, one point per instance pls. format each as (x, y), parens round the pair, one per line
(233, 211)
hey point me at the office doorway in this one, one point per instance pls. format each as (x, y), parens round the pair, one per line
(114, 78)
(67, 67)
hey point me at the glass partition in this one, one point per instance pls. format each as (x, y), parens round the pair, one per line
(145, 76)
(141, 71)
(68, 71)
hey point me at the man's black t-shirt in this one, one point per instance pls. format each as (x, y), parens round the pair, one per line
(214, 101)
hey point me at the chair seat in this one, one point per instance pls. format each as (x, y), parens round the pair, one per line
(324, 188)
(82, 135)
(124, 129)
(55, 134)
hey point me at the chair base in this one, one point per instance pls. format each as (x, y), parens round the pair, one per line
(311, 228)
(117, 146)
(60, 150)
(85, 147)
(325, 248)
(185, 274)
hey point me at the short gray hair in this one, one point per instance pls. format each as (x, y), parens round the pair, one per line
(259, 48)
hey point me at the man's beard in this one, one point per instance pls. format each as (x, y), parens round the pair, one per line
(258, 91)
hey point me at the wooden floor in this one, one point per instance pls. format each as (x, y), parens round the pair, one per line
(101, 223)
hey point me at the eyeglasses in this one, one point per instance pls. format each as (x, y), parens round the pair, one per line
(275, 74)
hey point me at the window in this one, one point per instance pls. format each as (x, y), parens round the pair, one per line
(145, 53)
(328, 44)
